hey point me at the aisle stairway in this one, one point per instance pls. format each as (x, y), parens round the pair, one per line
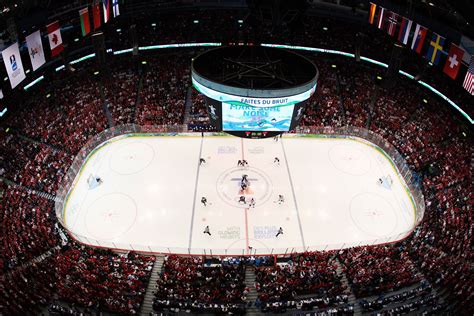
(147, 305)
(188, 104)
(252, 296)
(45, 195)
(350, 294)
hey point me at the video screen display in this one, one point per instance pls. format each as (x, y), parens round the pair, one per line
(251, 118)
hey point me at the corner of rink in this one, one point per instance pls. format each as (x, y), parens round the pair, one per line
(319, 192)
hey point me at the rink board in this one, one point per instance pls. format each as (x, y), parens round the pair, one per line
(152, 187)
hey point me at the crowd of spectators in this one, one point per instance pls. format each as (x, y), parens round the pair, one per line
(26, 291)
(27, 227)
(189, 282)
(373, 270)
(163, 94)
(314, 274)
(100, 278)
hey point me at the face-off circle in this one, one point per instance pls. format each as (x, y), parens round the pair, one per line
(229, 189)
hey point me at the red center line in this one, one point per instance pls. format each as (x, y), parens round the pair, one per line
(246, 209)
(246, 231)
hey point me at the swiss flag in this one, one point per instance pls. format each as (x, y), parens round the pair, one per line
(55, 40)
(453, 62)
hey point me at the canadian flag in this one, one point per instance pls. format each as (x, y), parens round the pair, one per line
(55, 40)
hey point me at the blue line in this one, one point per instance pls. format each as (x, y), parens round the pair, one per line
(294, 195)
(195, 193)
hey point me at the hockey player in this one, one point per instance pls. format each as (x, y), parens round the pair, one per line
(207, 231)
(276, 160)
(204, 201)
(242, 200)
(281, 199)
(201, 161)
(280, 232)
(245, 163)
(252, 203)
(239, 163)
(275, 138)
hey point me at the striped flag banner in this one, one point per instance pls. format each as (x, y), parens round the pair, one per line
(372, 9)
(468, 83)
(392, 23)
(85, 22)
(419, 38)
(106, 5)
(381, 17)
(96, 15)
(405, 28)
(115, 7)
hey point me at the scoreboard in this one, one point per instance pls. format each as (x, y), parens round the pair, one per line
(254, 91)
(232, 113)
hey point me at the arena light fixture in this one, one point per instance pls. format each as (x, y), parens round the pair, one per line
(33, 83)
(333, 66)
(119, 30)
(425, 101)
(3, 112)
(27, 71)
(325, 28)
(76, 39)
(5, 79)
(196, 21)
(379, 78)
(48, 95)
(144, 62)
(96, 73)
(240, 21)
(153, 24)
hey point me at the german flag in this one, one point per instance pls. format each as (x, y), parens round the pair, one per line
(373, 7)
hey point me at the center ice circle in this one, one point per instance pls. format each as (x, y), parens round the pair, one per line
(229, 189)
(349, 159)
(110, 216)
(373, 214)
(131, 157)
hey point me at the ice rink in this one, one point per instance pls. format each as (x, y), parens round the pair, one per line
(150, 197)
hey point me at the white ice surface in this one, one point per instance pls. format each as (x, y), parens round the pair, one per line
(152, 187)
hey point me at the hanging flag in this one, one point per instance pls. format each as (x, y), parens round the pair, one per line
(55, 40)
(392, 23)
(453, 62)
(469, 79)
(115, 7)
(35, 49)
(106, 7)
(405, 28)
(96, 15)
(435, 49)
(418, 38)
(372, 9)
(380, 18)
(13, 65)
(85, 22)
